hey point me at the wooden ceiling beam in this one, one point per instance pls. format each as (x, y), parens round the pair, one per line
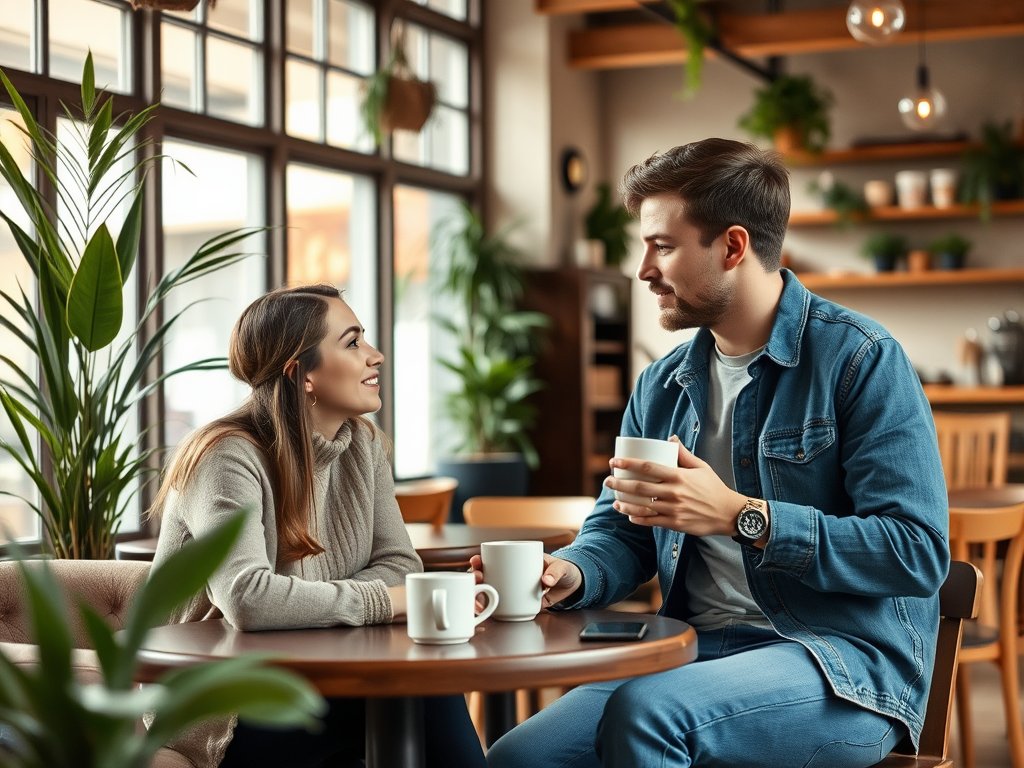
(780, 34)
(565, 7)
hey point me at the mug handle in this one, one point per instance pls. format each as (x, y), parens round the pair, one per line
(440, 604)
(492, 601)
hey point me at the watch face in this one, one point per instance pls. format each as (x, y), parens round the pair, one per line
(750, 524)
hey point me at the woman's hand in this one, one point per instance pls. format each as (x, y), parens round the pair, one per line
(398, 609)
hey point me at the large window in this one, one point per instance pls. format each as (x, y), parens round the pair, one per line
(260, 125)
(206, 192)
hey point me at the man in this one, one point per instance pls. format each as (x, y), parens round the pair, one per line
(804, 533)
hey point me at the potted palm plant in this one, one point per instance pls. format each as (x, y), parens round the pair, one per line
(88, 386)
(48, 719)
(494, 359)
(791, 111)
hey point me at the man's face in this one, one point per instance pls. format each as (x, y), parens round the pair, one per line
(687, 277)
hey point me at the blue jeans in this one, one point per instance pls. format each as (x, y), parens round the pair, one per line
(751, 698)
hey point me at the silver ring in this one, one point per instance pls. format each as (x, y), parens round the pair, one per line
(653, 499)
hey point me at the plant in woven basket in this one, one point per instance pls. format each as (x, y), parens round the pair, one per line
(49, 719)
(394, 98)
(88, 386)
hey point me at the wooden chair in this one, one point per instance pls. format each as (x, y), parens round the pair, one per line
(426, 501)
(974, 448)
(959, 599)
(994, 636)
(529, 511)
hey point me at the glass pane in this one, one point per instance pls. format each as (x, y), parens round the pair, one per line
(78, 26)
(16, 517)
(351, 36)
(344, 123)
(454, 8)
(112, 212)
(449, 69)
(411, 147)
(225, 193)
(448, 140)
(417, 46)
(301, 36)
(303, 116)
(178, 55)
(233, 81)
(16, 32)
(332, 223)
(237, 17)
(419, 381)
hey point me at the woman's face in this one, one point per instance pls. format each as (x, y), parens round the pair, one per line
(345, 383)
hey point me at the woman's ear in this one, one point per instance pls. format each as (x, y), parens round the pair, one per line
(309, 386)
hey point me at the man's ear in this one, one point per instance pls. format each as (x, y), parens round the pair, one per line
(737, 245)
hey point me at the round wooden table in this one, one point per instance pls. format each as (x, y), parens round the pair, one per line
(451, 547)
(392, 672)
(987, 498)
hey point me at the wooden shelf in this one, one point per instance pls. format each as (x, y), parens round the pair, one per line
(955, 277)
(945, 394)
(598, 463)
(894, 213)
(881, 153)
(609, 347)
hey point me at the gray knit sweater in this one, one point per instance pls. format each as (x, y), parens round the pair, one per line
(367, 548)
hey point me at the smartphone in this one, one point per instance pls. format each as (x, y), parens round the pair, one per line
(614, 630)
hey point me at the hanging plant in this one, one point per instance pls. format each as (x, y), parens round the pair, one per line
(697, 31)
(793, 112)
(394, 98)
(169, 5)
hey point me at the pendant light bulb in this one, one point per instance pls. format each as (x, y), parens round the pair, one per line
(925, 108)
(875, 22)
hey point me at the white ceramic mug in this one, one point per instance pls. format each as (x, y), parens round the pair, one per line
(441, 606)
(911, 189)
(943, 181)
(514, 569)
(645, 449)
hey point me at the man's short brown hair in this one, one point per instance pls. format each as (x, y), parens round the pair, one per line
(721, 183)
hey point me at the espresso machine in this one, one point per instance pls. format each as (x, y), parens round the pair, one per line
(1008, 346)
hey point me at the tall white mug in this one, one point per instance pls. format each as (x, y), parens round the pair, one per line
(514, 569)
(441, 606)
(645, 449)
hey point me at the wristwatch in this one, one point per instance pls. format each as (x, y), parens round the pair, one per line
(752, 522)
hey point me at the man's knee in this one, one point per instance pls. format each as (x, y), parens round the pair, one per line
(633, 718)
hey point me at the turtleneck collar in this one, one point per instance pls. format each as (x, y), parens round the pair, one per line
(327, 451)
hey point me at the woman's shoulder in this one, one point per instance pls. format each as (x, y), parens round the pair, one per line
(233, 453)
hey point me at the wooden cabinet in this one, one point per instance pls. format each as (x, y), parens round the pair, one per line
(585, 369)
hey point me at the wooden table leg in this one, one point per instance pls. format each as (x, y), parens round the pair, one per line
(499, 715)
(394, 733)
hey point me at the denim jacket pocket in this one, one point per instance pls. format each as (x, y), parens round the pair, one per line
(799, 445)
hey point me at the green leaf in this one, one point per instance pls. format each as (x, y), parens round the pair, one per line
(95, 301)
(174, 582)
(88, 85)
(128, 239)
(98, 134)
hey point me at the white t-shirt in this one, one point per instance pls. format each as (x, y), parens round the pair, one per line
(716, 586)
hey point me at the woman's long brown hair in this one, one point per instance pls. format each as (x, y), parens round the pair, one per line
(285, 325)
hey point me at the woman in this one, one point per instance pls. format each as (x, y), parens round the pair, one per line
(325, 543)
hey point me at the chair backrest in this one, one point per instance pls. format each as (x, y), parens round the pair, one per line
(989, 528)
(108, 586)
(974, 448)
(529, 511)
(426, 501)
(959, 599)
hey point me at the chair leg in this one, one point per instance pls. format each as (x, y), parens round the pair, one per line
(1011, 701)
(963, 712)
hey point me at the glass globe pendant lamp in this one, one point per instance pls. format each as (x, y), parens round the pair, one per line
(875, 21)
(924, 109)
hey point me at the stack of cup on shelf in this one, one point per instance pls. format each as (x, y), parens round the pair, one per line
(912, 188)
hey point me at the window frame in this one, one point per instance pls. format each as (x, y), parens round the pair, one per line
(276, 148)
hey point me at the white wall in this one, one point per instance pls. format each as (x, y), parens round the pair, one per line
(980, 79)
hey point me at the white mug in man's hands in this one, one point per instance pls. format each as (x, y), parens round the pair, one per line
(514, 568)
(441, 606)
(644, 449)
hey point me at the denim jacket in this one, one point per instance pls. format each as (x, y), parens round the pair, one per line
(835, 432)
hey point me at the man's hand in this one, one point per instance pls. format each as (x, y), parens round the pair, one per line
(559, 580)
(691, 499)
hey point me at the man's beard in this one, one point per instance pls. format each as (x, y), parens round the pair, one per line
(707, 310)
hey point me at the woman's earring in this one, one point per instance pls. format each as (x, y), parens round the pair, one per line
(314, 402)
